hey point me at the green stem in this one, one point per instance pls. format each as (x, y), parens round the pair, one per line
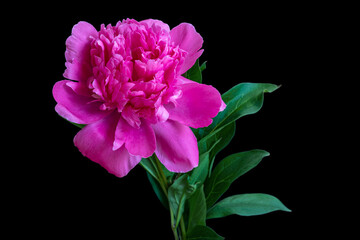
(183, 230)
(161, 172)
(164, 185)
(173, 228)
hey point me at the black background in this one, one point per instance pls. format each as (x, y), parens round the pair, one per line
(61, 193)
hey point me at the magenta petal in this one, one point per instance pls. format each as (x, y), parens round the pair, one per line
(156, 25)
(197, 106)
(176, 146)
(76, 108)
(77, 71)
(95, 141)
(138, 141)
(189, 40)
(77, 52)
(190, 61)
(78, 44)
(223, 106)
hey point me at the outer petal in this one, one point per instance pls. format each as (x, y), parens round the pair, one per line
(138, 141)
(77, 52)
(189, 40)
(95, 141)
(197, 106)
(76, 108)
(78, 44)
(176, 146)
(181, 80)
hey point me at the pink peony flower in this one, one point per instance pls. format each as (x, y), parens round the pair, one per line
(126, 85)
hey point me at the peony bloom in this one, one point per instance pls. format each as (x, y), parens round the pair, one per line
(126, 86)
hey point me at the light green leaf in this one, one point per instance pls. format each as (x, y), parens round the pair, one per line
(197, 209)
(241, 100)
(203, 233)
(178, 193)
(246, 205)
(228, 170)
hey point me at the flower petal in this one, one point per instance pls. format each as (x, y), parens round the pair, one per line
(76, 108)
(156, 25)
(176, 146)
(189, 40)
(197, 106)
(138, 141)
(76, 70)
(95, 141)
(78, 44)
(77, 52)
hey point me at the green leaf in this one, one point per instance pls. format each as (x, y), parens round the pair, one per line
(203, 66)
(200, 173)
(194, 73)
(197, 209)
(214, 143)
(246, 205)
(224, 135)
(203, 233)
(228, 170)
(158, 190)
(76, 124)
(241, 100)
(178, 193)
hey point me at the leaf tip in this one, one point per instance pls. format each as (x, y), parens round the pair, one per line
(263, 153)
(271, 88)
(286, 209)
(203, 66)
(266, 154)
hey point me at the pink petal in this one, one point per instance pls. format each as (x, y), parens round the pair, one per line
(95, 141)
(197, 106)
(76, 108)
(77, 52)
(162, 114)
(223, 106)
(78, 44)
(190, 61)
(189, 40)
(176, 146)
(156, 25)
(77, 71)
(138, 141)
(182, 80)
(131, 117)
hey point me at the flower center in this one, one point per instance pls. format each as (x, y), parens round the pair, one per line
(135, 70)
